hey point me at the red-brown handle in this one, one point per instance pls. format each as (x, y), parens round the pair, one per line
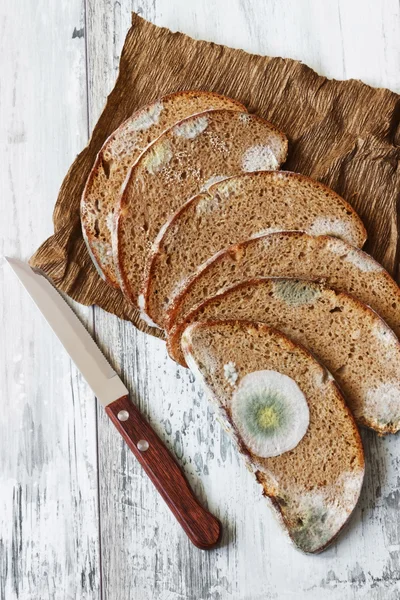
(201, 527)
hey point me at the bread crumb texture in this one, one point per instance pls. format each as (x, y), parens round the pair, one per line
(121, 150)
(211, 181)
(261, 203)
(206, 205)
(381, 404)
(147, 118)
(143, 315)
(335, 227)
(157, 157)
(357, 258)
(387, 338)
(110, 222)
(316, 517)
(192, 128)
(172, 170)
(102, 250)
(294, 254)
(259, 158)
(228, 187)
(349, 338)
(296, 293)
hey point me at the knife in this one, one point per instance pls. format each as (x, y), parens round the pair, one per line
(201, 527)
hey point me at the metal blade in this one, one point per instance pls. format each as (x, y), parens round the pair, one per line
(77, 341)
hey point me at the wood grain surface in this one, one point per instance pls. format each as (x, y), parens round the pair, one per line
(78, 518)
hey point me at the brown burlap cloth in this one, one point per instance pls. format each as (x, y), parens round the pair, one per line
(343, 133)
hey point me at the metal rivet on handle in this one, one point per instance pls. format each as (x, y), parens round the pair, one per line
(123, 415)
(143, 445)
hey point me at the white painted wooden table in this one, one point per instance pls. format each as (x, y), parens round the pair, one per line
(78, 520)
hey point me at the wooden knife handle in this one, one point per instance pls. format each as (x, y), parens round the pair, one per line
(201, 527)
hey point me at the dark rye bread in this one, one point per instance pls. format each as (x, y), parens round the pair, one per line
(314, 487)
(117, 155)
(294, 254)
(348, 337)
(233, 211)
(181, 162)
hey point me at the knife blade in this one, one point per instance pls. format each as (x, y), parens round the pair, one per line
(202, 528)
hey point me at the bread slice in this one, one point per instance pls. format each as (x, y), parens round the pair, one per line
(117, 155)
(185, 159)
(232, 211)
(295, 254)
(348, 337)
(315, 486)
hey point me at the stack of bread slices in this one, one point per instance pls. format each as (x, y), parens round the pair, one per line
(258, 278)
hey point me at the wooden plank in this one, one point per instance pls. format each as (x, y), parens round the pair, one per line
(48, 458)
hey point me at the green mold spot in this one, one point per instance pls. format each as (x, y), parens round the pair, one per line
(311, 531)
(264, 414)
(271, 413)
(296, 292)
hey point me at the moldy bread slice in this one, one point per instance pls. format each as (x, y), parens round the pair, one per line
(261, 384)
